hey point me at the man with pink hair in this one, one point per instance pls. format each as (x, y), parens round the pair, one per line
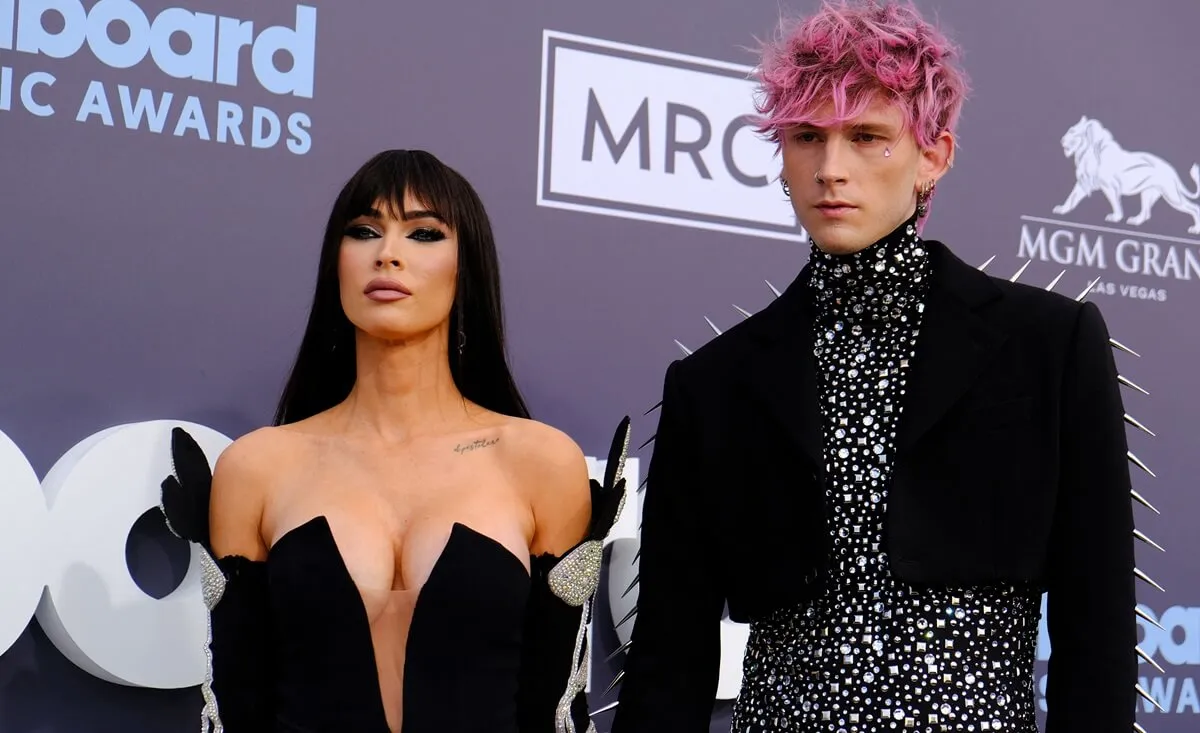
(883, 471)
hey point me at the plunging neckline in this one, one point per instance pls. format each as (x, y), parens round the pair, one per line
(321, 521)
(320, 530)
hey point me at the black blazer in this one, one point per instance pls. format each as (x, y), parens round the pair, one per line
(1010, 465)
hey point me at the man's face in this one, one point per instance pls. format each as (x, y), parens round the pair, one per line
(853, 183)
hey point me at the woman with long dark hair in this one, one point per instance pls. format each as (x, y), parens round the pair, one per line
(404, 549)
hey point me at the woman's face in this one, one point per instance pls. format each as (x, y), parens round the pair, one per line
(397, 275)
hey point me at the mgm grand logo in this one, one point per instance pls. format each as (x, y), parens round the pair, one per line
(1117, 242)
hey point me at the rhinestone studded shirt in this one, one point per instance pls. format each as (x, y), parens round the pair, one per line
(872, 653)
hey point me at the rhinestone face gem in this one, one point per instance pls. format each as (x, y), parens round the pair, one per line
(872, 653)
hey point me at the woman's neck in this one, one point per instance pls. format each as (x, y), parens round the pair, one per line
(403, 389)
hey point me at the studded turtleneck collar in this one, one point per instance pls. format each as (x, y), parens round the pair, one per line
(880, 283)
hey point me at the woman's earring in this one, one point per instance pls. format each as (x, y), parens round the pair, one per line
(462, 341)
(786, 190)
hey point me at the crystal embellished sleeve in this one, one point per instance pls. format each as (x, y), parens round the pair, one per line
(554, 659)
(238, 684)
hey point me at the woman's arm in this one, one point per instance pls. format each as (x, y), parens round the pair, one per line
(221, 511)
(573, 514)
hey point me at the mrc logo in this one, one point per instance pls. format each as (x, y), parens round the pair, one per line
(646, 134)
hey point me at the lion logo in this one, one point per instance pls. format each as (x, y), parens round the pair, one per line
(1101, 164)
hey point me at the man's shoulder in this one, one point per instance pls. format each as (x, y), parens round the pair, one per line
(1037, 308)
(1020, 303)
(727, 351)
(1032, 296)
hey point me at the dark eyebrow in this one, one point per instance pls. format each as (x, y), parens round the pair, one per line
(372, 213)
(423, 214)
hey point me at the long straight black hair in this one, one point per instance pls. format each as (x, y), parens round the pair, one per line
(324, 371)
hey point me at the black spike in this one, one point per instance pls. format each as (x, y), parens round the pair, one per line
(606, 708)
(620, 650)
(616, 681)
(631, 614)
(632, 585)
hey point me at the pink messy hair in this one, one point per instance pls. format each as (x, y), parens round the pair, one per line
(847, 55)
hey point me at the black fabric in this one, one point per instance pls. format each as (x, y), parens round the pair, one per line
(1010, 467)
(488, 651)
(671, 669)
(545, 658)
(243, 666)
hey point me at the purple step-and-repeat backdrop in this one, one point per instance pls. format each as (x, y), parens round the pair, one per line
(166, 167)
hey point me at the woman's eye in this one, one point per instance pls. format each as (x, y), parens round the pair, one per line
(427, 234)
(361, 232)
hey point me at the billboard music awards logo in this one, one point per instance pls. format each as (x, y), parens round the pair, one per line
(182, 44)
(1133, 241)
(646, 134)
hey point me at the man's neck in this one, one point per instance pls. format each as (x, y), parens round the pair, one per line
(877, 283)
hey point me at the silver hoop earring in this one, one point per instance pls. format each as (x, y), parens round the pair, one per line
(786, 190)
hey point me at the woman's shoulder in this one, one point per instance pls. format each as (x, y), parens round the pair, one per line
(242, 481)
(542, 446)
(252, 455)
(553, 471)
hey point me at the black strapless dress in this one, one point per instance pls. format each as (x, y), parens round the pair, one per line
(490, 647)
